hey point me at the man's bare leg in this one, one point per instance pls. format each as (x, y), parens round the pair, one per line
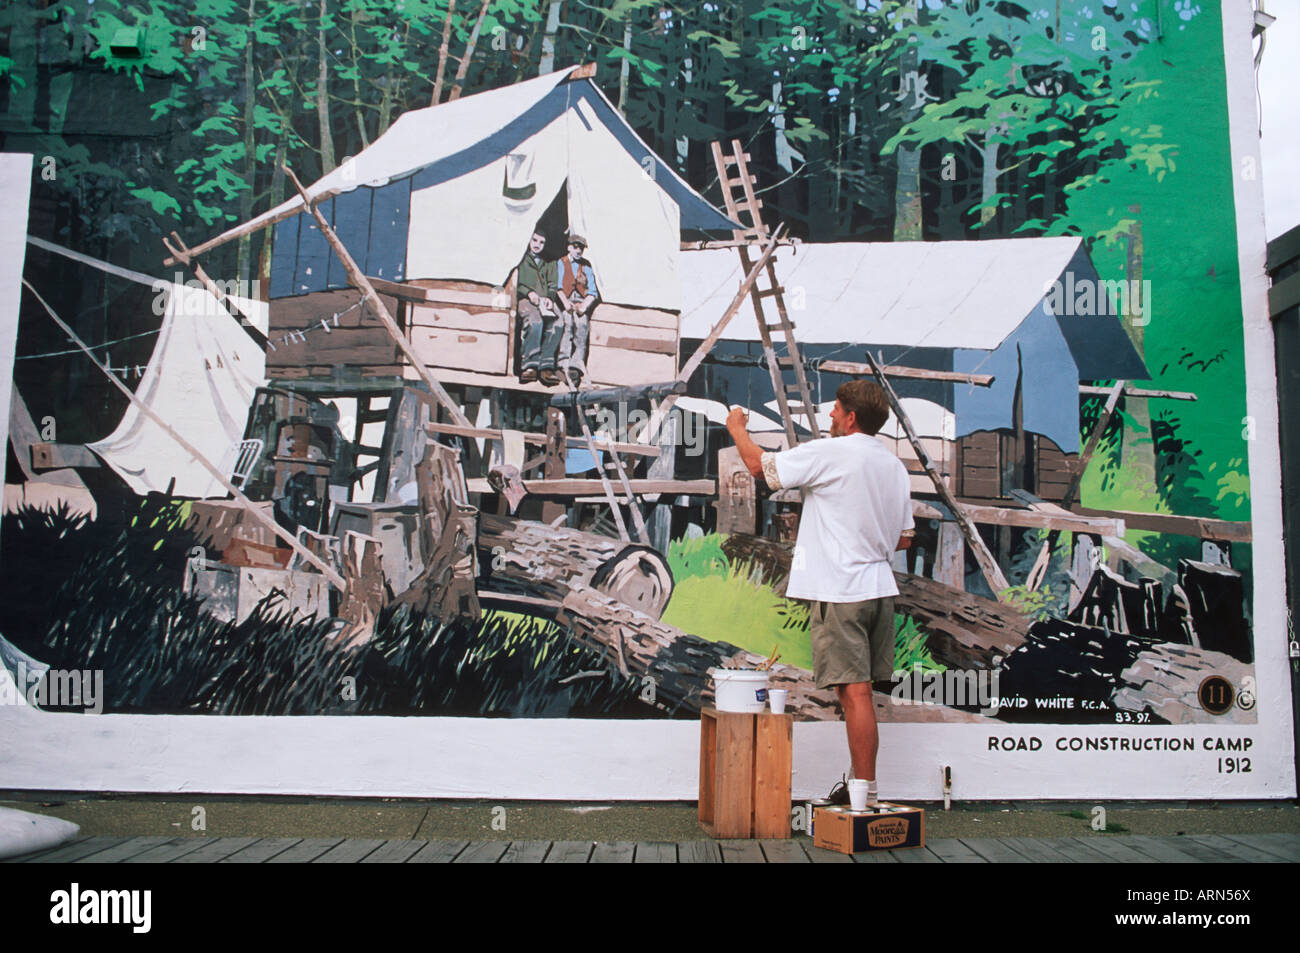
(860, 721)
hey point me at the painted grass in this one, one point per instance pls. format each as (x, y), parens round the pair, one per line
(91, 595)
(716, 600)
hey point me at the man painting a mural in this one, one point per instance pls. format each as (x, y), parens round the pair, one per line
(540, 323)
(576, 289)
(857, 511)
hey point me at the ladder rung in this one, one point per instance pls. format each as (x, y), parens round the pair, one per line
(785, 362)
(793, 389)
(780, 327)
(738, 183)
(770, 292)
(800, 409)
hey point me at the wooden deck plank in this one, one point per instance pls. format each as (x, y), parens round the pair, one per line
(1037, 851)
(615, 852)
(1159, 848)
(352, 851)
(783, 852)
(1203, 853)
(215, 849)
(1079, 852)
(306, 850)
(698, 852)
(165, 853)
(952, 851)
(656, 852)
(1111, 847)
(917, 855)
(1235, 850)
(394, 852)
(741, 852)
(1284, 846)
(820, 855)
(994, 850)
(875, 857)
(526, 852)
(66, 853)
(569, 852)
(482, 852)
(126, 849)
(438, 852)
(261, 851)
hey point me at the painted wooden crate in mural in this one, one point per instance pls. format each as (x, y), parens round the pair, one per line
(463, 331)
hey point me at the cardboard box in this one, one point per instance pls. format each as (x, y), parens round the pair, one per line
(884, 827)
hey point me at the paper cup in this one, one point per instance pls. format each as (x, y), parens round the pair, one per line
(858, 794)
(777, 697)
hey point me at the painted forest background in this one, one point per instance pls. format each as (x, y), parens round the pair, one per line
(869, 121)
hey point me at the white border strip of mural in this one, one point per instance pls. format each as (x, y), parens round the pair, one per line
(633, 759)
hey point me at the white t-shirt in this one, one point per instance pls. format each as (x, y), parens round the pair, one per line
(856, 504)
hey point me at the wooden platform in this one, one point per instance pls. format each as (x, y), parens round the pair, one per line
(1100, 848)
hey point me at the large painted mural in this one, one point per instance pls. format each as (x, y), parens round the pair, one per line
(374, 357)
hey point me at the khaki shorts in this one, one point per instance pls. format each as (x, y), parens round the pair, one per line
(852, 641)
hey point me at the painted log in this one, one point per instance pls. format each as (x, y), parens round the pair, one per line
(677, 663)
(535, 559)
(964, 630)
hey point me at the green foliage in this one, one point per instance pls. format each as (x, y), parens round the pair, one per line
(734, 603)
(1038, 604)
(701, 556)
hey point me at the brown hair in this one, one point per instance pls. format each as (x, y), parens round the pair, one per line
(867, 402)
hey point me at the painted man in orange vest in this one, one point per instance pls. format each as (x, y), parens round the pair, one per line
(575, 287)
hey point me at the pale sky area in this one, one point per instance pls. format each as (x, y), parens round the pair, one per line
(1279, 92)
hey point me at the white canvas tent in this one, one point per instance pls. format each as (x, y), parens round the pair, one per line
(453, 192)
(200, 379)
(980, 307)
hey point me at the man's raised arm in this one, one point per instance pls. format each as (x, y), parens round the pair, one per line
(750, 452)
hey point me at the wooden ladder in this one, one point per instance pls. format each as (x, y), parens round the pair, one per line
(734, 174)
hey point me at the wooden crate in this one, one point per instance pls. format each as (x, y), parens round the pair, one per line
(745, 766)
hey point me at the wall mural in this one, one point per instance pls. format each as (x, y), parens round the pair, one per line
(449, 441)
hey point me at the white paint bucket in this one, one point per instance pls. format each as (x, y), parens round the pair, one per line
(740, 689)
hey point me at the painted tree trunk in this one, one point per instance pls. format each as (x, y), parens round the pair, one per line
(1137, 449)
(988, 178)
(443, 51)
(624, 66)
(675, 663)
(322, 96)
(964, 630)
(244, 252)
(547, 63)
(535, 559)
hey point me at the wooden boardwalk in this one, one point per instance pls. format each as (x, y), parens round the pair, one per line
(1101, 848)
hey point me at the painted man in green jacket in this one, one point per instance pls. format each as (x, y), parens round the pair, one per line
(538, 315)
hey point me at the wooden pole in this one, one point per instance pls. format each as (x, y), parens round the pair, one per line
(604, 482)
(182, 254)
(359, 281)
(657, 418)
(1140, 392)
(306, 554)
(897, 370)
(1094, 440)
(988, 565)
